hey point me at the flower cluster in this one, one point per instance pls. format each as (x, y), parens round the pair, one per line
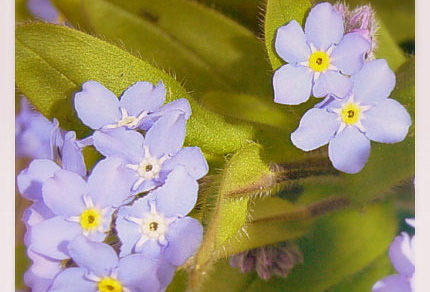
(326, 62)
(123, 226)
(402, 255)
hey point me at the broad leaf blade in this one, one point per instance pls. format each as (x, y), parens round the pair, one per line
(53, 61)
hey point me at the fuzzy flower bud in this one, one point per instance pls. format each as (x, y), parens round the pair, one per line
(360, 20)
(268, 260)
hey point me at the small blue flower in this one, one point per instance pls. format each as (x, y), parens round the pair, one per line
(79, 206)
(43, 269)
(318, 58)
(156, 225)
(32, 133)
(99, 270)
(349, 125)
(402, 256)
(44, 10)
(141, 104)
(151, 158)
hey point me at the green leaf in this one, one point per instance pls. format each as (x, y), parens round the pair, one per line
(53, 61)
(278, 13)
(227, 216)
(388, 164)
(342, 244)
(365, 279)
(197, 44)
(388, 49)
(21, 11)
(249, 108)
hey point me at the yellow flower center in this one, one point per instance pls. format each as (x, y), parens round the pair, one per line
(350, 113)
(109, 285)
(90, 219)
(319, 61)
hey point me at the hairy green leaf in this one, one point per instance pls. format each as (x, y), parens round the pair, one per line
(199, 45)
(53, 61)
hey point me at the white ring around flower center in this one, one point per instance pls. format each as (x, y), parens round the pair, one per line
(148, 168)
(130, 122)
(152, 226)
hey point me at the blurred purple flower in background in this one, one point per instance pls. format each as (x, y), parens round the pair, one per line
(44, 10)
(350, 124)
(32, 133)
(269, 260)
(318, 58)
(402, 256)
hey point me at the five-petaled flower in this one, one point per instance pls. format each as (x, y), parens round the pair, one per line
(141, 104)
(349, 125)
(151, 158)
(156, 225)
(319, 59)
(78, 207)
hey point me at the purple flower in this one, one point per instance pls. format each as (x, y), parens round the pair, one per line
(43, 10)
(43, 269)
(32, 133)
(140, 105)
(156, 225)
(79, 207)
(360, 20)
(268, 260)
(151, 158)
(318, 58)
(349, 125)
(100, 270)
(402, 256)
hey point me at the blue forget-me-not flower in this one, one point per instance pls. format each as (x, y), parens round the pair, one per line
(320, 58)
(349, 125)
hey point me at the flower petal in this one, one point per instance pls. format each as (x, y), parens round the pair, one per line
(110, 182)
(184, 237)
(143, 97)
(138, 273)
(324, 26)
(401, 253)
(31, 179)
(72, 280)
(72, 158)
(374, 82)
(192, 159)
(392, 283)
(43, 267)
(290, 43)
(348, 56)
(292, 84)
(43, 9)
(173, 201)
(349, 150)
(63, 193)
(165, 273)
(120, 142)
(167, 135)
(128, 231)
(51, 237)
(316, 128)
(96, 257)
(387, 122)
(332, 82)
(96, 106)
